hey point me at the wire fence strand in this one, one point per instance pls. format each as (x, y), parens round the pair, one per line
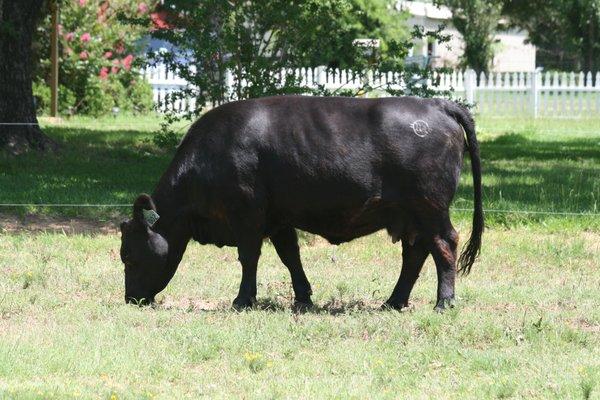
(62, 205)
(489, 210)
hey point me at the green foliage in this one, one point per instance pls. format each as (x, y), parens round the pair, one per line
(566, 32)
(41, 93)
(98, 98)
(140, 94)
(232, 50)
(477, 22)
(96, 43)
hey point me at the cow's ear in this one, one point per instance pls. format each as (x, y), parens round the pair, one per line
(144, 210)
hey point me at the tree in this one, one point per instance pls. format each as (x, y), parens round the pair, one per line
(18, 21)
(245, 45)
(566, 32)
(477, 22)
(360, 19)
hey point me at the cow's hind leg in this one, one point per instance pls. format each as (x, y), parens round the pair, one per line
(286, 244)
(413, 258)
(443, 249)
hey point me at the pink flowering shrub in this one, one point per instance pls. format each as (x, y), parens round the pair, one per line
(98, 51)
(86, 37)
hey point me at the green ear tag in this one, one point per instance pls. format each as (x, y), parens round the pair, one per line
(150, 216)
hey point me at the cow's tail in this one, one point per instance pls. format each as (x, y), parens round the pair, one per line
(472, 248)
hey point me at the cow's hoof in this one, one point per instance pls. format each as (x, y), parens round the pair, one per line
(443, 304)
(243, 303)
(396, 305)
(302, 305)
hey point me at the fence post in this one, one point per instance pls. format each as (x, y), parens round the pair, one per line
(470, 82)
(229, 85)
(320, 75)
(535, 92)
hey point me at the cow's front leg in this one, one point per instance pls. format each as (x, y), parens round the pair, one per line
(248, 254)
(286, 244)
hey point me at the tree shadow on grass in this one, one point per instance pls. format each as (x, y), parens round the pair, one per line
(93, 167)
(514, 145)
(525, 174)
(99, 166)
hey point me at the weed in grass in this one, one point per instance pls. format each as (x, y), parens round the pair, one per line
(256, 362)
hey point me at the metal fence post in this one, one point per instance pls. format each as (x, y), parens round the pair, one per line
(535, 94)
(470, 82)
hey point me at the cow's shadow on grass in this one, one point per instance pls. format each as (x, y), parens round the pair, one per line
(278, 304)
(331, 306)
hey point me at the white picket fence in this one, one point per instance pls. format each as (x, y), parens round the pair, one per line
(567, 94)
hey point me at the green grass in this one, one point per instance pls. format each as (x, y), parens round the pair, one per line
(527, 324)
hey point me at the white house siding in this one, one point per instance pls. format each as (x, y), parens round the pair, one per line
(512, 53)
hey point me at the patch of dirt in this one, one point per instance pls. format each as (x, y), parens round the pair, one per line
(69, 226)
(585, 325)
(192, 305)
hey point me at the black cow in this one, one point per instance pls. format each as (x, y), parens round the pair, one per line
(338, 167)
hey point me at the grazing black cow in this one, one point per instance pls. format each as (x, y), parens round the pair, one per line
(338, 167)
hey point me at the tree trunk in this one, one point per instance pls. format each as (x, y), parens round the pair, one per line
(19, 131)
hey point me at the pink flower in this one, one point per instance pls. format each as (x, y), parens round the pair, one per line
(120, 48)
(69, 36)
(159, 20)
(103, 73)
(86, 37)
(83, 55)
(115, 68)
(108, 54)
(82, 3)
(127, 62)
(102, 11)
(142, 8)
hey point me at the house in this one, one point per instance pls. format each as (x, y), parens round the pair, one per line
(512, 54)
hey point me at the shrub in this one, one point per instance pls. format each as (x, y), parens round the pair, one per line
(98, 52)
(41, 93)
(140, 94)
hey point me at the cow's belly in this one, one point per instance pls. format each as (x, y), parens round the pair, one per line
(345, 224)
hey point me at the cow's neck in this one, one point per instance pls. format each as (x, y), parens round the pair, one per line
(173, 223)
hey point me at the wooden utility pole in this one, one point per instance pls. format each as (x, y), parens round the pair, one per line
(54, 61)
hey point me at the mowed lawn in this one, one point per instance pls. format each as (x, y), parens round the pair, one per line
(526, 325)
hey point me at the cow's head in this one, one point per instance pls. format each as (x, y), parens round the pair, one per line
(144, 253)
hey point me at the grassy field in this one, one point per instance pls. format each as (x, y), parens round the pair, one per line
(527, 322)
